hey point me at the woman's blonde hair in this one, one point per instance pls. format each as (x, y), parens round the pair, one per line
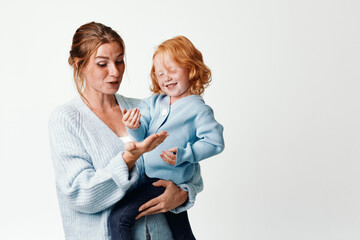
(186, 55)
(87, 39)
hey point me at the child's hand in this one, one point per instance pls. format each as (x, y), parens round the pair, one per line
(169, 156)
(131, 118)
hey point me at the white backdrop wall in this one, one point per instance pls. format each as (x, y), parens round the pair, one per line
(285, 87)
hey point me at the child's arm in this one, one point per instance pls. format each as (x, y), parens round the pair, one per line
(210, 141)
(137, 124)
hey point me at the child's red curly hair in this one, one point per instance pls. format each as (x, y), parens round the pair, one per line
(186, 55)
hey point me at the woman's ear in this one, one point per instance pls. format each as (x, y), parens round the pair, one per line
(79, 65)
(76, 63)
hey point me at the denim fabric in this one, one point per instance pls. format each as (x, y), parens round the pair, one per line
(122, 217)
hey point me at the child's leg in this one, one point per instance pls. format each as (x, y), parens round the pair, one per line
(179, 225)
(122, 217)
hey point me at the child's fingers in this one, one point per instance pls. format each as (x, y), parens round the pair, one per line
(138, 118)
(173, 150)
(126, 115)
(165, 158)
(132, 114)
(134, 120)
(168, 157)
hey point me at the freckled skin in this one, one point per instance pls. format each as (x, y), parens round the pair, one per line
(105, 69)
(172, 78)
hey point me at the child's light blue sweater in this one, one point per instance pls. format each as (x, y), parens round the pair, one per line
(192, 129)
(91, 175)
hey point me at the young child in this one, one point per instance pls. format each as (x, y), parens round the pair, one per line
(179, 76)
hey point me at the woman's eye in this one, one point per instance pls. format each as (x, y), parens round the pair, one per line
(160, 74)
(119, 62)
(101, 64)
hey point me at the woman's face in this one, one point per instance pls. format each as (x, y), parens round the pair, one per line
(104, 71)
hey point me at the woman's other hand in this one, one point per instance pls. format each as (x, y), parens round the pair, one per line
(133, 150)
(170, 199)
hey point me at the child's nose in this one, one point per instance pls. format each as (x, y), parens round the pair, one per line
(167, 77)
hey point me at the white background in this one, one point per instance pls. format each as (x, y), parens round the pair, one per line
(285, 87)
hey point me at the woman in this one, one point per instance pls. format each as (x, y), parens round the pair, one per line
(94, 166)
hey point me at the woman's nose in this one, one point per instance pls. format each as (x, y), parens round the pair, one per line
(114, 70)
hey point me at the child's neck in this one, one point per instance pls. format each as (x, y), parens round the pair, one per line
(174, 99)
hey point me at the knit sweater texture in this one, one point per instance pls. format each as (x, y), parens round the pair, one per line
(91, 175)
(192, 129)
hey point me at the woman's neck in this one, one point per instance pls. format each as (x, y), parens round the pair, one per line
(100, 101)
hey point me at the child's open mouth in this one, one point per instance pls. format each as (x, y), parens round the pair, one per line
(171, 85)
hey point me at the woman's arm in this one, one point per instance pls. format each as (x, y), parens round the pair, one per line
(170, 199)
(134, 150)
(175, 198)
(85, 188)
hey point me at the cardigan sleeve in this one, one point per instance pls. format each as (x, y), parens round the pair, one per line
(85, 188)
(209, 142)
(140, 133)
(193, 187)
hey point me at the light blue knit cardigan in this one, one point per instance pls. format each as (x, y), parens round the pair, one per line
(91, 175)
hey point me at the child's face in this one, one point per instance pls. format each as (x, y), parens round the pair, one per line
(172, 78)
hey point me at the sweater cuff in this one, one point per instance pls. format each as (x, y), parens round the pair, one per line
(135, 134)
(120, 172)
(181, 156)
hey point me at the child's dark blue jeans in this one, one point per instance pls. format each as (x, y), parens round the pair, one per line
(122, 217)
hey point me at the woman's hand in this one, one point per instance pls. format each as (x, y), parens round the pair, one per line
(135, 149)
(170, 199)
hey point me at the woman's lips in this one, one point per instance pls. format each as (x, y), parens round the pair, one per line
(114, 83)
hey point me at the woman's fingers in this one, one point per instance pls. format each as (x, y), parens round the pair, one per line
(135, 149)
(161, 138)
(170, 199)
(153, 141)
(161, 183)
(155, 205)
(156, 208)
(157, 140)
(150, 203)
